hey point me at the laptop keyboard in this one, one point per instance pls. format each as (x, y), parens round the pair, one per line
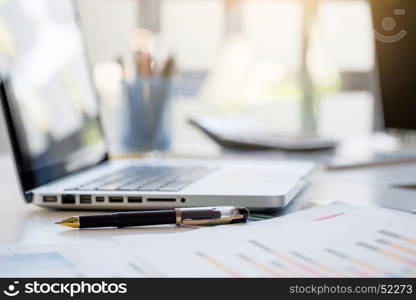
(145, 178)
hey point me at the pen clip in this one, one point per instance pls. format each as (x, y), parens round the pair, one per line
(212, 222)
(210, 216)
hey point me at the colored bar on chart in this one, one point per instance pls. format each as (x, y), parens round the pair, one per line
(259, 265)
(397, 246)
(358, 262)
(290, 271)
(329, 217)
(217, 264)
(288, 259)
(318, 264)
(398, 236)
(387, 253)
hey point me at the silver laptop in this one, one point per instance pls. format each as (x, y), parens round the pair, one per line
(52, 116)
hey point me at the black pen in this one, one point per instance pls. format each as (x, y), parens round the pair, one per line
(201, 216)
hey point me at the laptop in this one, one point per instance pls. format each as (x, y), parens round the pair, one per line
(52, 115)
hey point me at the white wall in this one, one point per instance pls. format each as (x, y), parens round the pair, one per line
(107, 26)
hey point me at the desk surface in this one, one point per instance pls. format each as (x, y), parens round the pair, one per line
(24, 223)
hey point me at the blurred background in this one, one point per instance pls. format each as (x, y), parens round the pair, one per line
(298, 65)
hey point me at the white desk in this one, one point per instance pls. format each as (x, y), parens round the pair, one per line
(25, 223)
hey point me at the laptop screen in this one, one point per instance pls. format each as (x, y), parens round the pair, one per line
(394, 24)
(52, 106)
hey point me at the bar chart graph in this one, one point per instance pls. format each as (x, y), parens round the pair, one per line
(298, 264)
(396, 257)
(368, 242)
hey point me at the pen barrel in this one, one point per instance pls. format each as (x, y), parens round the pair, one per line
(142, 218)
(96, 221)
(128, 219)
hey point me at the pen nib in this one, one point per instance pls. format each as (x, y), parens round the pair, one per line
(72, 222)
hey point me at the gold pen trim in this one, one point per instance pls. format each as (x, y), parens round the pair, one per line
(178, 215)
(72, 222)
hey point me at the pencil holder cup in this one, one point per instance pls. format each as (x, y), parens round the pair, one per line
(146, 114)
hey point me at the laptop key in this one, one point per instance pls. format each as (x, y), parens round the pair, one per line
(109, 187)
(172, 187)
(176, 184)
(71, 189)
(149, 187)
(144, 179)
(169, 189)
(86, 188)
(135, 184)
(128, 187)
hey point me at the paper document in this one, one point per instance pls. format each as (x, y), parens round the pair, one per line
(96, 259)
(337, 240)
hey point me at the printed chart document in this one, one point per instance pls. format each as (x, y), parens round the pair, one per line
(337, 240)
